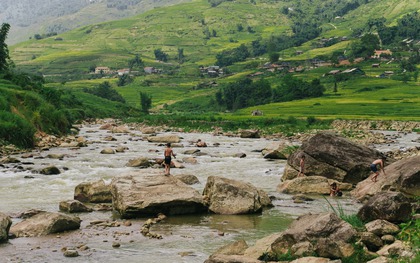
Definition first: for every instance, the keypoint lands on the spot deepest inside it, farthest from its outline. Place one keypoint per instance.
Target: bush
(16, 130)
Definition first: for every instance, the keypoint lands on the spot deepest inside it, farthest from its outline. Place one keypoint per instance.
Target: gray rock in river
(227, 196)
(149, 192)
(45, 223)
(5, 223)
(332, 156)
(402, 175)
(93, 192)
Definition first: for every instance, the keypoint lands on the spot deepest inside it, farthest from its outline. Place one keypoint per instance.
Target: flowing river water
(189, 238)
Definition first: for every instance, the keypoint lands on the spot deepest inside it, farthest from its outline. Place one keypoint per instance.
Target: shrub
(16, 130)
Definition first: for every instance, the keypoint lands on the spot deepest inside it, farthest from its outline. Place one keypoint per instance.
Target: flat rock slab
(149, 192)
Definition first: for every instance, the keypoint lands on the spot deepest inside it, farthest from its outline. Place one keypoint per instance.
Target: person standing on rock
(374, 168)
(301, 165)
(168, 153)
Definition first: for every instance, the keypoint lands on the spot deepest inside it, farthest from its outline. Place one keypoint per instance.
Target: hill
(202, 30)
(38, 17)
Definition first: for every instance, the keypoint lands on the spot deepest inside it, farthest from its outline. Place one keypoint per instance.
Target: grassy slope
(113, 43)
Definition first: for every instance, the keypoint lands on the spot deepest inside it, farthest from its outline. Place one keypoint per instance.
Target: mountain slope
(30, 17)
(180, 26)
(184, 26)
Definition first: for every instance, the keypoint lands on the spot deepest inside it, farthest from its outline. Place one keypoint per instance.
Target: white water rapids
(189, 238)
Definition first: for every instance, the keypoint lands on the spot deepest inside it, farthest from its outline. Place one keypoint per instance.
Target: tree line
(246, 93)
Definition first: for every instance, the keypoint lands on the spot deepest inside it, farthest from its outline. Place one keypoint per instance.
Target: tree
(4, 51)
(181, 55)
(206, 32)
(145, 102)
(124, 80)
(135, 62)
(239, 27)
(160, 55)
(104, 90)
(365, 46)
(274, 57)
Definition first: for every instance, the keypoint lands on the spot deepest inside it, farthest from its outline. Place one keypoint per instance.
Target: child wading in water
(168, 158)
(334, 190)
(374, 167)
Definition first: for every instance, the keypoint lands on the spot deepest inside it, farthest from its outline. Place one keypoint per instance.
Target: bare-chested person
(374, 167)
(301, 165)
(168, 158)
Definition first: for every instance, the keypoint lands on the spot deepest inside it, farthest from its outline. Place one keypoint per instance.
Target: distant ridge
(30, 17)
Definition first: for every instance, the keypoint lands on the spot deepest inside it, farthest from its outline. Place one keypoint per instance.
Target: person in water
(168, 153)
(334, 190)
(374, 168)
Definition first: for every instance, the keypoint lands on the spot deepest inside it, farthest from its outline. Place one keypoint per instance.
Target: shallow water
(185, 238)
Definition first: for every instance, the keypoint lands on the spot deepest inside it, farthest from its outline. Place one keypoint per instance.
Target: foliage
(124, 80)
(293, 88)
(4, 51)
(16, 130)
(407, 27)
(160, 55)
(136, 62)
(145, 102)
(351, 219)
(244, 93)
(228, 57)
(104, 90)
(365, 46)
(410, 232)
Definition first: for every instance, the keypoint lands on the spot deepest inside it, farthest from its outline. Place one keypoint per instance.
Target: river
(186, 239)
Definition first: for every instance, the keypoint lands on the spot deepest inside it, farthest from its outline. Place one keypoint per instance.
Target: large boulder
(382, 227)
(93, 192)
(391, 206)
(149, 192)
(45, 223)
(402, 175)
(141, 162)
(5, 223)
(164, 139)
(325, 234)
(310, 185)
(232, 252)
(227, 196)
(334, 157)
(250, 134)
(49, 170)
(73, 206)
(278, 150)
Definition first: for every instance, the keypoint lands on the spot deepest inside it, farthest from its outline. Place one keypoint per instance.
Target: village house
(124, 71)
(353, 71)
(212, 71)
(333, 72)
(378, 53)
(102, 70)
(152, 70)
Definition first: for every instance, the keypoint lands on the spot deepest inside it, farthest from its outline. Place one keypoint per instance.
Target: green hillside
(202, 31)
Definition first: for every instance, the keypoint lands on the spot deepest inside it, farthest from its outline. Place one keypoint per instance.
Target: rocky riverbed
(105, 237)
